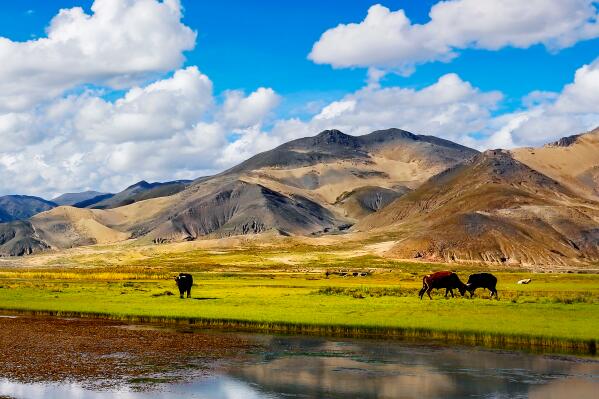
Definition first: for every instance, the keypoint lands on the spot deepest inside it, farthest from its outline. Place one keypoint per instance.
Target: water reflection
(221, 387)
(346, 378)
(321, 368)
(367, 369)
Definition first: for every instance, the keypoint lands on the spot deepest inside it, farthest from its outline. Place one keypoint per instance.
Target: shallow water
(300, 367)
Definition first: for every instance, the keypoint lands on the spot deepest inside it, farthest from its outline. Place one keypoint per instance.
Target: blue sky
(130, 89)
(250, 44)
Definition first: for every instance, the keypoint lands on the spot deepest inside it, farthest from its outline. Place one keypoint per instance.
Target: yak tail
(424, 287)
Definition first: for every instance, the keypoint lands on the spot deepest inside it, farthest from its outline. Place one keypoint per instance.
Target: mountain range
(17, 207)
(440, 200)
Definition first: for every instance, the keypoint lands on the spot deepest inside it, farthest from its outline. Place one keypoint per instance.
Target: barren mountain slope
(492, 208)
(20, 238)
(573, 161)
(74, 198)
(240, 207)
(138, 192)
(66, 227)
(295, 188)
(332, 163)
(308, 186)
(363, 201)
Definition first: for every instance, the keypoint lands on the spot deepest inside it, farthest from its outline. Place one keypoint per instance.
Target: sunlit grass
(285, 288)
(375, 303)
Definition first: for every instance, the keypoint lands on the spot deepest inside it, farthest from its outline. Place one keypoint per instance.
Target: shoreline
(517, 342)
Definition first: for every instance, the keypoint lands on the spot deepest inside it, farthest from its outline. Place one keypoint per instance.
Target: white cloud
(389, 40)
(120, 43)
(242, 112)
(450, 108)
(336, 109)
(183, 131)
(582, 95)
(152, 112)
(170, 129)
(61, 135)
(548, 116)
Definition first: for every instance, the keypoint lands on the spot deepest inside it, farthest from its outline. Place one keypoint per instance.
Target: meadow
(288, 291)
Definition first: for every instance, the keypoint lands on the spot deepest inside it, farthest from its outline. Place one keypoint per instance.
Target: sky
(101, 94)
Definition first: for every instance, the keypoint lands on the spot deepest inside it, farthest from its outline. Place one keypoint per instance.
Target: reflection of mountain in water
(386, 370)
(347, 378)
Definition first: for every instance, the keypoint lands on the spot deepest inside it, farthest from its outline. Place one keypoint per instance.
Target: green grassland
(270, 289)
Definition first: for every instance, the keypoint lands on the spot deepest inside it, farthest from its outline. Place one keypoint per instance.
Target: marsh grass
(287, 290)
(562, 297)
(363, 292)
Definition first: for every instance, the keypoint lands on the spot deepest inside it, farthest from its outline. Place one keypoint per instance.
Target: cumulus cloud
(449, 108)
(243, 112)
(122, 42)
(389, 40)
(173, 128)
(151, 112)
(61, 133)
(548, 116)
(582, 95)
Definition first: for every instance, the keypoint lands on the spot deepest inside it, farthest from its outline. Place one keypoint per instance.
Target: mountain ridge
(442, 200)
(507, 213)
(21, 207)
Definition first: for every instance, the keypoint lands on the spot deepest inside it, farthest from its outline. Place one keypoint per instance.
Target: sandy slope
(526, 206)
(66, 226)
(574, 162)
(492, 209)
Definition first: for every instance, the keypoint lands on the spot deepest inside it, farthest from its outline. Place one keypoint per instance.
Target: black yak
(184, 282)
(482, 280)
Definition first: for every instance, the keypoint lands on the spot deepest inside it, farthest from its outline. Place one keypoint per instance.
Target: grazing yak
(446, 279)
(482, 280)
(184, 282)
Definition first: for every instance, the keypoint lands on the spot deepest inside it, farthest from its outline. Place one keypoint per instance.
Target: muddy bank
(527, 343)
(106, 352)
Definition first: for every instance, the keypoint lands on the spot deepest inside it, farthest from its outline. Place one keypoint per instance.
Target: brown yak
(445, 279)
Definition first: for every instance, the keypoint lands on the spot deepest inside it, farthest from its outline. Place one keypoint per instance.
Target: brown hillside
(573, 161)
(492, 208)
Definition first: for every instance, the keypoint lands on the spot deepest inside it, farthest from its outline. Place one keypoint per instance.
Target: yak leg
(189, 293)
(428, 292)
(422, 291)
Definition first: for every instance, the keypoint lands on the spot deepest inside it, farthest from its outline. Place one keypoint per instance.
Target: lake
(305, 367)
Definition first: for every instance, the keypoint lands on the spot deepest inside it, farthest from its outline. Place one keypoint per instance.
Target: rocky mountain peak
(337, 137)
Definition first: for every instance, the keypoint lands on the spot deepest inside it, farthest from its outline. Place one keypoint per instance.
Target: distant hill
(492, 208)
(294, 188)
(314, 185)
(19, 238)
(88, 203)
(74, 198)
(137, 192)
(573, 161)
(21, 207)
(368, 199)
(438, 200)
